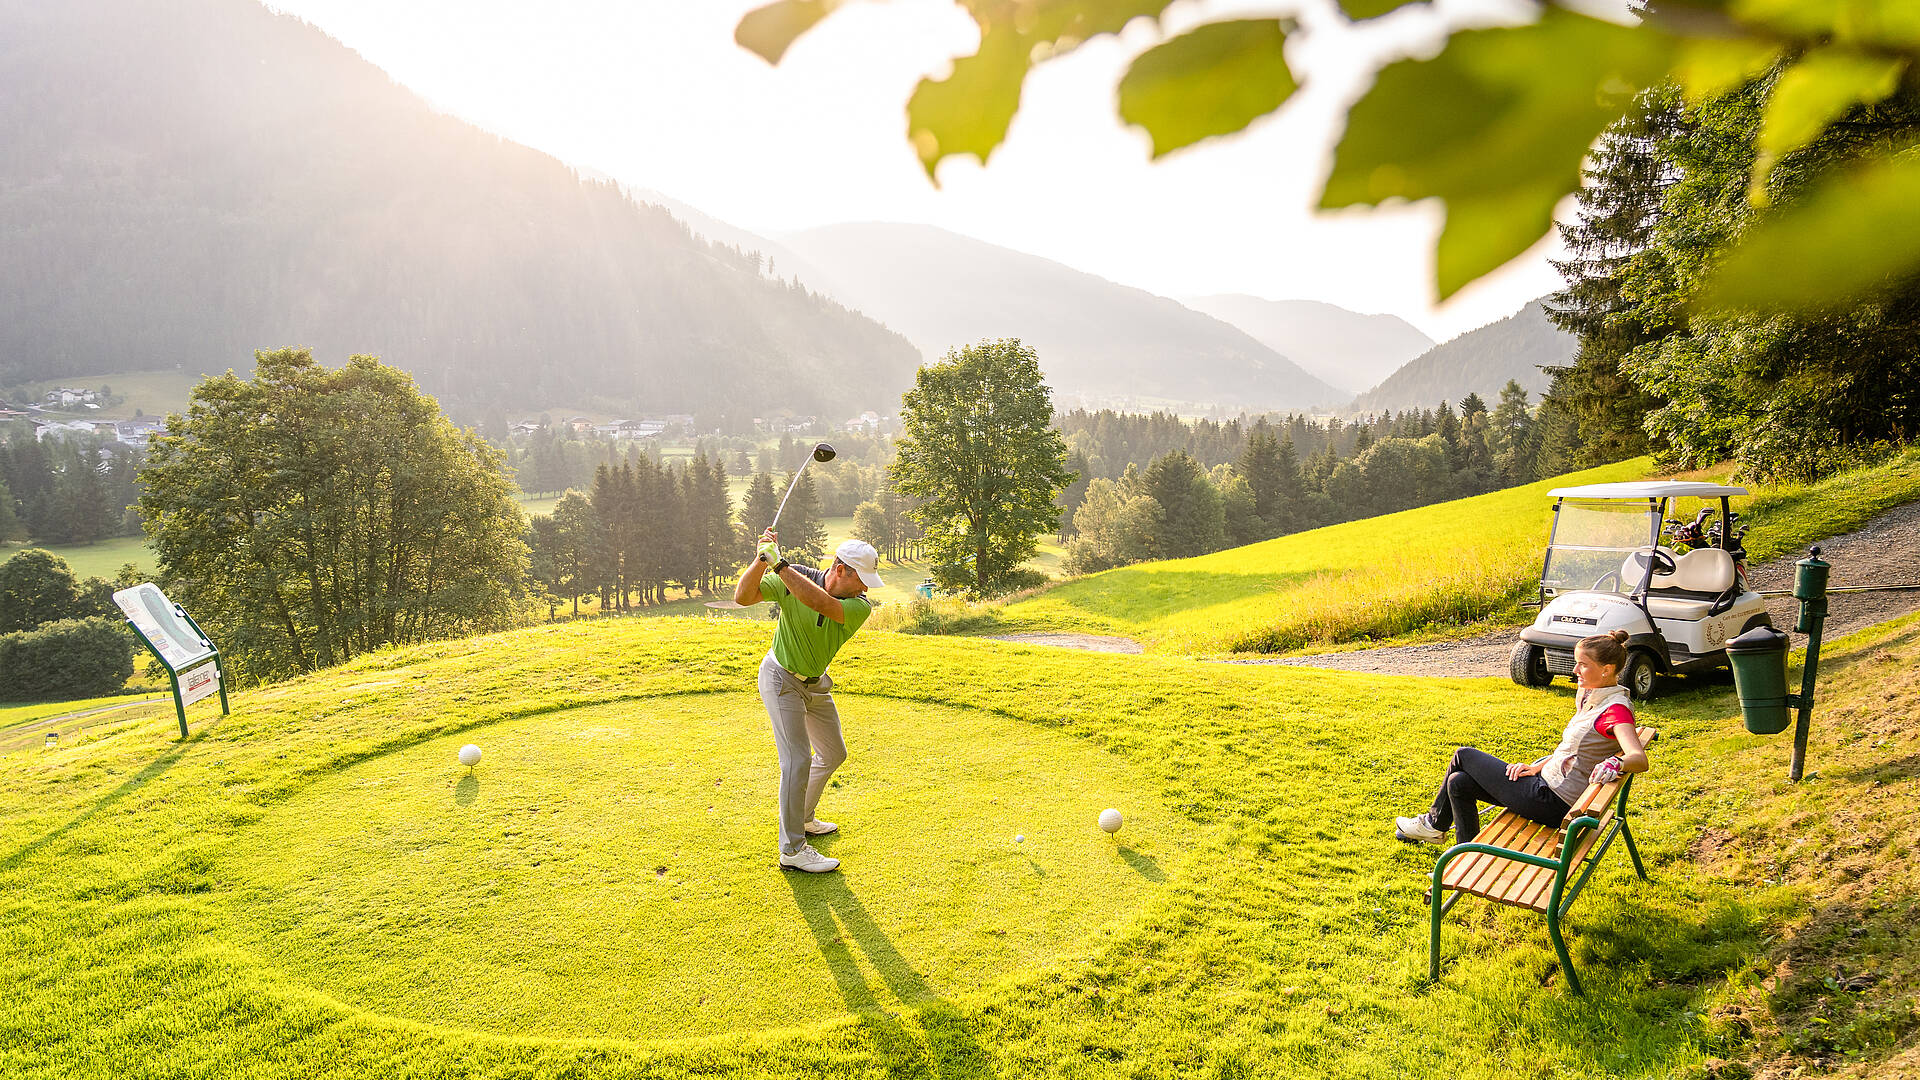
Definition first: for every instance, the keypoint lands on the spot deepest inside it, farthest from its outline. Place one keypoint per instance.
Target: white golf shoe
(808, 860)
(1417, 830)
(816, 827)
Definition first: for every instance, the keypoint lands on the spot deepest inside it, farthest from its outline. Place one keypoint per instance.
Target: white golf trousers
(806, 732)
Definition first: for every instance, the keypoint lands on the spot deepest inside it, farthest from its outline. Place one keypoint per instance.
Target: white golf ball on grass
(1110, 820)
(469, 755)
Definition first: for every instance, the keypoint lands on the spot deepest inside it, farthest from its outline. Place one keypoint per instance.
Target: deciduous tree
(307, 516)
(979, 446)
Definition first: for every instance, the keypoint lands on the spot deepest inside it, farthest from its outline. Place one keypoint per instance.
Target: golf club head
(822, 452)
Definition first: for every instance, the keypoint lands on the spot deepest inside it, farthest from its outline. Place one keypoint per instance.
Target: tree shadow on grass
(1645, 952)
(840, 924)
(129, 786)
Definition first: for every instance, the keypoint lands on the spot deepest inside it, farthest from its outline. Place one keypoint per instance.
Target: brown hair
(1607, 650)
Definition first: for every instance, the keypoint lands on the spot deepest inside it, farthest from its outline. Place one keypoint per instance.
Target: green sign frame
(174, 639)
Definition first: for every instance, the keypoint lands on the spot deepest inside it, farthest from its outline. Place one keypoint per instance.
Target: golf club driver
(821, 452)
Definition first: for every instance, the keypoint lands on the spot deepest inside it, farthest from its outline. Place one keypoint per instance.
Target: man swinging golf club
(818, 613)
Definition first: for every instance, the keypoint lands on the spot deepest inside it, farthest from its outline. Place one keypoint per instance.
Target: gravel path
(1090, 642)
(1884, 551)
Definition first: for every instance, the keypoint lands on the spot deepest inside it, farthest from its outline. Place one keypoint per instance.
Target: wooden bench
(1526, 864)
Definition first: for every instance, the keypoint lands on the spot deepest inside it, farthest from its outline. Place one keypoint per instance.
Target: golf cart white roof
(1648, 489)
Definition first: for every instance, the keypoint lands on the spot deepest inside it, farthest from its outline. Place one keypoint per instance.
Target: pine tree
(1261, 468)
(1193, 521)
(1510, 435)
(803, 535)
(757, 508)
(1620, 208)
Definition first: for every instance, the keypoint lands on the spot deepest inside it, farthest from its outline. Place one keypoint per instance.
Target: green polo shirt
(805, 640)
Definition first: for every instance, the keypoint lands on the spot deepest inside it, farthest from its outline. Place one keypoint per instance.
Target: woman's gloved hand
(1607, 771)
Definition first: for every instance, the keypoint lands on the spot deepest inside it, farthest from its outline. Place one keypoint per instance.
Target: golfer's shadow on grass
(840, 924)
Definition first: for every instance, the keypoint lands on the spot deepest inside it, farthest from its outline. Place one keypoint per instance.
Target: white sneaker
(1417, 830)
(809, 860)
(816, 827)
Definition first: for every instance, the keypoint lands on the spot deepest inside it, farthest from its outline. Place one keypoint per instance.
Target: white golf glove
(1608, 771)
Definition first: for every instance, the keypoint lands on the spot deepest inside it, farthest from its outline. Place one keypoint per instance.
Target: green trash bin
(1759, 659)
(1810, 588)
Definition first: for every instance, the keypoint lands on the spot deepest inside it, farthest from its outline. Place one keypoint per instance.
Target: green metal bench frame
(1560, 897)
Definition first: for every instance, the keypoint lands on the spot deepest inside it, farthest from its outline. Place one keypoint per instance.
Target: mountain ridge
(1100, 343)
(1341, 347)
(1480, 361)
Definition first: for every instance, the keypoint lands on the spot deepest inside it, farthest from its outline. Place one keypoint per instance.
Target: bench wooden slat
(1527, 840)
(1544, 841)
(1464, 873)
(1520, 884)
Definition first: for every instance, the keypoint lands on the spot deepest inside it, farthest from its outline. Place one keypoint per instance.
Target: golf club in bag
(821, 452)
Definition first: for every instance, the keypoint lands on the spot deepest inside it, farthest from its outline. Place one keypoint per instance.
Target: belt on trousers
(802, 678)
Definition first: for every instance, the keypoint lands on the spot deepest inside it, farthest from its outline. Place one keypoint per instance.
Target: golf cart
(1606, 568)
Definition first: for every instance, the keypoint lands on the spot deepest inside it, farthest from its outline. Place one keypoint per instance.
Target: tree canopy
(308, 516)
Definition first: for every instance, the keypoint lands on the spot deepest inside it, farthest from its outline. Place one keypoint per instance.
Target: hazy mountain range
(1479, 361)
(1340, 347)
(1103, 343)
(184, 183)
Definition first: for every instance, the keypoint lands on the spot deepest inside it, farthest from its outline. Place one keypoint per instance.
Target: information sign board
(151, 613)
(173, 637)
(199, 682)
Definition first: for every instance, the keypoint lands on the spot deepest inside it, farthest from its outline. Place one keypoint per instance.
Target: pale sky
(656, 94)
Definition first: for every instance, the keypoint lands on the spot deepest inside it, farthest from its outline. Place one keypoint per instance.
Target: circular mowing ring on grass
(610, 870)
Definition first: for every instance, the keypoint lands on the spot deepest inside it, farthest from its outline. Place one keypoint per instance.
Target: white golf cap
(865, 561)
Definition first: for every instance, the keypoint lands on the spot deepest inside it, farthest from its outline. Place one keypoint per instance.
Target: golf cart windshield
(1592, 539)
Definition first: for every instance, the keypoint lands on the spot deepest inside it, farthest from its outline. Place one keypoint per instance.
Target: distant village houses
(67, 397)
(131, 432)
(867, 423)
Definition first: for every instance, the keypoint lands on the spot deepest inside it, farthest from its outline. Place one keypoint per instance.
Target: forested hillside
(1477, 362)
(184, 183)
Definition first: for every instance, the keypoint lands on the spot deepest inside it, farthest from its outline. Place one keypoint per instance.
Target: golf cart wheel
(1640, 677)
(1529, 665)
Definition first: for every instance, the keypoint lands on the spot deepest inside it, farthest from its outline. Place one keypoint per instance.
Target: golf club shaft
(790, 486)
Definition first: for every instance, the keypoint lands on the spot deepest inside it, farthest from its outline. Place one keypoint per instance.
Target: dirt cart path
(1090, 642)
(1884, 551)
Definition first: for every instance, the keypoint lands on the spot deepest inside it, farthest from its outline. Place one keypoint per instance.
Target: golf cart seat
(1702, 576)
(1634, 566)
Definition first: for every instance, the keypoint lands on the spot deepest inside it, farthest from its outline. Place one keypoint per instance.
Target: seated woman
(1600, 744)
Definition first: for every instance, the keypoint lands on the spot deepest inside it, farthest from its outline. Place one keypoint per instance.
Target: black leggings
(1474, 777)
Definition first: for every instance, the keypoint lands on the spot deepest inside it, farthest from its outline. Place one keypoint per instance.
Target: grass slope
(302, 889)
(1415, 572)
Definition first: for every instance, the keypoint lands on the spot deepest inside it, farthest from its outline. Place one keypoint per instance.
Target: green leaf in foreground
(1501, 118)
(1894, 23)
(1369, 9)
(1842, 243)
(968, 111)
(1811, 94)
(1710, 67)
(768, 31)
(1214, 80)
